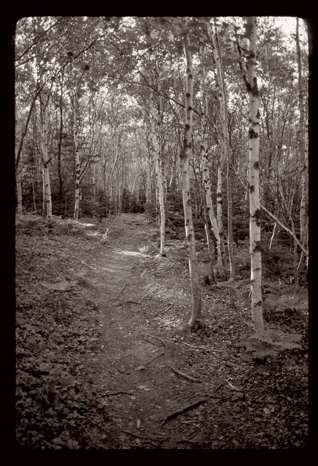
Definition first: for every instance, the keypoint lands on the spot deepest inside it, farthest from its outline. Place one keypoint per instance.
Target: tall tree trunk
(155, 131)
(44, 101)
(226, 156)
(186, 196)
(59, 155)
(254, 201)
(301, 140)
(208, 240)
(19, 193)
(77, 195)
(45, 161)
(219, 205)
(206, 172)
(33, 193)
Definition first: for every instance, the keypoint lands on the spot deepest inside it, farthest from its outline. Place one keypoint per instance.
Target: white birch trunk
(254, 201)
(44, 99)
(186, 196)
(19, 194)
(155, 132)
(219, 206)
(45, 161)
(226, 155)
(301, 141)
(77, 159)
(208, 192)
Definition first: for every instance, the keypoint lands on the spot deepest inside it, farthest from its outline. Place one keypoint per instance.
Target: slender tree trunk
(301, 140)
(206, 172)
(305, 187)
(149, 194)
(255, 224)
(77, 195)
(33, 194)
(219, 206)
(226, 156)
(209, 242)
(45, 161)
(186, 196)
(19, 194)
(59, 156)
(44, 101)
(155, 131)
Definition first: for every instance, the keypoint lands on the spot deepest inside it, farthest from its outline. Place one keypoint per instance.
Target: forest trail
(135, 304)
(103, 360)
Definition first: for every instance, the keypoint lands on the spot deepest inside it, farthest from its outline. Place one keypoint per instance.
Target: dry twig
(158, 338)
(186, 376)
(121, 290)
(155, 357)
(191, 406)
(117, 393)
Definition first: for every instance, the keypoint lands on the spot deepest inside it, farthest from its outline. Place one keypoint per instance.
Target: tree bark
(206, 172)
(226, 156)
(59, 154)
(301, 141)
(44, 101)
(76, 156)
(254, 201)
(186, 195)
(19, 194)
(155, 132)
(45, 161)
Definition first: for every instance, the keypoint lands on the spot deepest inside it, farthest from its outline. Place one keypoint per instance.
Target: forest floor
(103, 361)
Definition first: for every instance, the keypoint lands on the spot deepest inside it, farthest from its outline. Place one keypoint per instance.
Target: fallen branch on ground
(121, 290)
(144, 297)
(158, 338)
(191, 406)
(157, 356)
(169, 307)
(117, 393)
(186, 376)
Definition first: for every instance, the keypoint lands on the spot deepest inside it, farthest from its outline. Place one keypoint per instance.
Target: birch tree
(206, 171)
(253, 160)
(226, 153)
(186, 195)
(44, 96)
(156, 143)
(301, 141)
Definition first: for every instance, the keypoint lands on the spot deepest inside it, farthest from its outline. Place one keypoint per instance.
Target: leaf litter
(86, 374)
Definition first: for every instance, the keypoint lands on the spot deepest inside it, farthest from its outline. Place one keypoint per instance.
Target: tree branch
(274, 218)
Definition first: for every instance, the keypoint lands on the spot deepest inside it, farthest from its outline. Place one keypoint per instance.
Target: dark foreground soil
(103, 360)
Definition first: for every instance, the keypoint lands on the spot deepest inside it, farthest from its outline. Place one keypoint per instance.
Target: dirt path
(102, 360)
(140, 341)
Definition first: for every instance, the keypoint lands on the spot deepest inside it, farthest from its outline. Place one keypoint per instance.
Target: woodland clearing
(103, 360)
